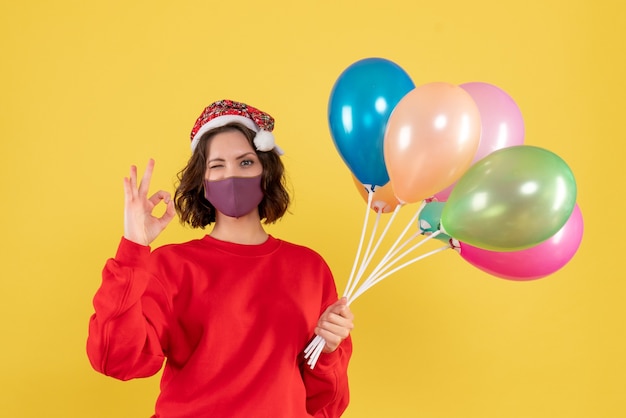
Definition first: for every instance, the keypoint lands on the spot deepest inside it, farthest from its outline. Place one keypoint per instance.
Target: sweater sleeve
(327, 383)
(127, 331)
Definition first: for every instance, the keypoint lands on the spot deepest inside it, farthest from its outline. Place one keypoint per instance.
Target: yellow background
(88, 88)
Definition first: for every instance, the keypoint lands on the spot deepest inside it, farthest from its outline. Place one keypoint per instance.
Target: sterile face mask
(234, 196)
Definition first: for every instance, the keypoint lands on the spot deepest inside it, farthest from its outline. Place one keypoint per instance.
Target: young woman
(232, 312)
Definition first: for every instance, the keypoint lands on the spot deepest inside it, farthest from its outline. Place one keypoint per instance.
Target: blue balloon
(360, 103)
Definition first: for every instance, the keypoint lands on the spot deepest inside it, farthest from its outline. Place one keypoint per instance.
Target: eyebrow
(242, 156)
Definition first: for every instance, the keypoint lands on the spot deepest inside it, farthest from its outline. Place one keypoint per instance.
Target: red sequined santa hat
(224, 112)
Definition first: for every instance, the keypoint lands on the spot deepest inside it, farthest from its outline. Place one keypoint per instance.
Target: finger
(128, 193)
(170, 209)
(170, 213)
(161, 195)
(334, 322)
(133, 178)
(332, 340)
(345, 312)
(144, 186)
(340, 303)
(340, 308)
(339, 331)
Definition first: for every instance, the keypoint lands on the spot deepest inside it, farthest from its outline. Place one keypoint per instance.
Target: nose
(230, 170)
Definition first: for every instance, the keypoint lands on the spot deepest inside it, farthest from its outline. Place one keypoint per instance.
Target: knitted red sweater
(232, 321)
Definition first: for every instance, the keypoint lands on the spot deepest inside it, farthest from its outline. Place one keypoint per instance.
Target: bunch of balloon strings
(357, 284)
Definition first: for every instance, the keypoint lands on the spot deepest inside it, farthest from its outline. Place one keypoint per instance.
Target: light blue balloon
(360, 103)
(430, 220)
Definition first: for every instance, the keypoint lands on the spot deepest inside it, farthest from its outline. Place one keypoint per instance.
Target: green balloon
(512, 199)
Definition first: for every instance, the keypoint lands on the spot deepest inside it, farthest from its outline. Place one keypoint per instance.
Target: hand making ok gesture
(140, 225)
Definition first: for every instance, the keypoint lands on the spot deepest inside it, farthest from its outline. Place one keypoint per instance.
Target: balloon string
(392, 250)
(366, 255)
(385, 261)
(370, 196)
(309, 349)
(381, 237)
(381, 268)
(378, 279)
(409, 224)
(315, 355)
(315, 347)
(313, 350)
(368, 259)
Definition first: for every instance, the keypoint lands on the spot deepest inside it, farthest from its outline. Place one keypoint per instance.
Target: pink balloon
(501, 122)
(532, 263)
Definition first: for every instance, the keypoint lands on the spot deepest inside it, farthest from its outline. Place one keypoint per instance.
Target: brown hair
(196, 211)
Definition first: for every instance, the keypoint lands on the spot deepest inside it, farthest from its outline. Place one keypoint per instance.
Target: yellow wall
(88, 88)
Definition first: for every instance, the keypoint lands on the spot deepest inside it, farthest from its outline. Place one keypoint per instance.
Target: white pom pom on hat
(223, 112)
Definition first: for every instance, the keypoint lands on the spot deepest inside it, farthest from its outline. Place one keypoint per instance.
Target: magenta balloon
(501, 123)
(532, 263)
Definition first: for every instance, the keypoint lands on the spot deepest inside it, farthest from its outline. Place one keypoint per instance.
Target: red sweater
(232, 321)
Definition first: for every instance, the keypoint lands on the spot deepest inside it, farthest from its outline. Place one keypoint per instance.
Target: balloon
(384, 199)
(431, 138)
(532, 263)
(501, 123)
(430, 218)
(512, 199)
(360, 104)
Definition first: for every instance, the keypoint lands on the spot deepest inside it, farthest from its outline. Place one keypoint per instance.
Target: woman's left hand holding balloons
(335, 324)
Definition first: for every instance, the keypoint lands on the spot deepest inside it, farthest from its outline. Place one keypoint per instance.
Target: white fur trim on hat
(222, 121)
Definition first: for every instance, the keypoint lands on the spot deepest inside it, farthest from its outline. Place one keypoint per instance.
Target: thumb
(339, 306)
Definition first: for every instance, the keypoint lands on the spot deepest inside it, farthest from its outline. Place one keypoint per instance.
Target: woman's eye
(213, 166)
(247, 162)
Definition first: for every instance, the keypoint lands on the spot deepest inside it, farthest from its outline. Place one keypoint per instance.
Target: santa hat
(224, 112)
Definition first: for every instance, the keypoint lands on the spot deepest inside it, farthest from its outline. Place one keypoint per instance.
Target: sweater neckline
(250, 250)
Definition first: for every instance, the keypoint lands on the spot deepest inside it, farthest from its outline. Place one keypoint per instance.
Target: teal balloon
(359, 107)
(512, 199)
(430, 218)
